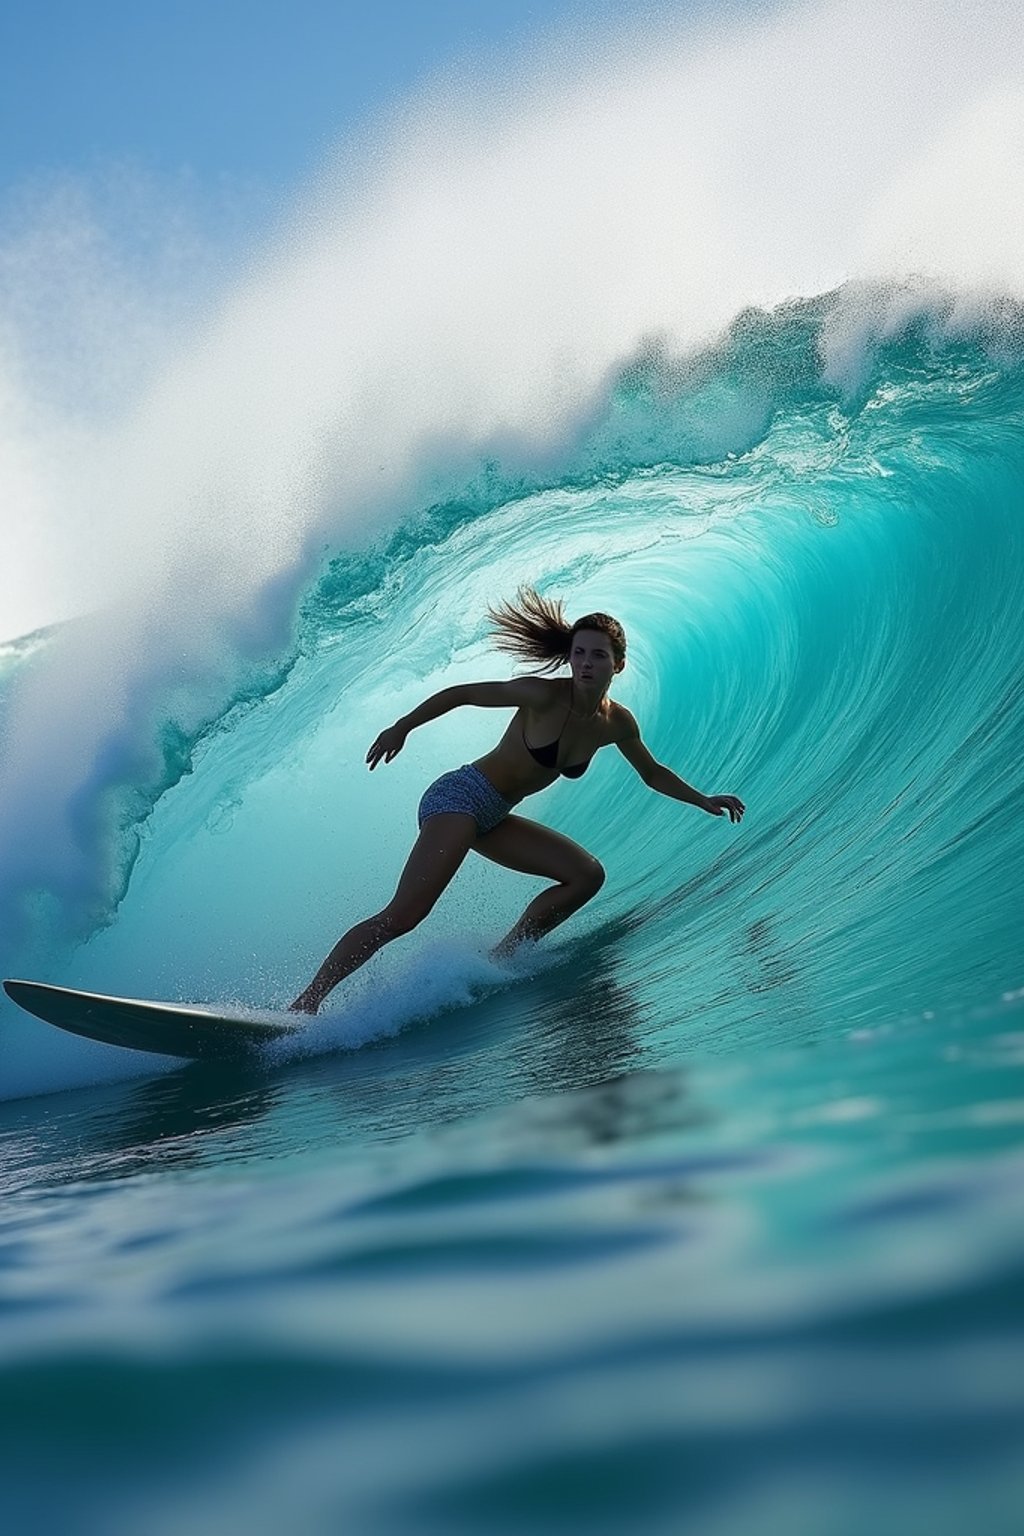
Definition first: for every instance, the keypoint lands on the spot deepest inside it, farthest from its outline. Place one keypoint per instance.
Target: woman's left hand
(722, 804)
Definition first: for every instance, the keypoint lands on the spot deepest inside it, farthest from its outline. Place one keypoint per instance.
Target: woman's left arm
(665, 782)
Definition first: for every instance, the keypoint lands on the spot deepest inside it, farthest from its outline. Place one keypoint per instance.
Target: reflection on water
(120, 1131)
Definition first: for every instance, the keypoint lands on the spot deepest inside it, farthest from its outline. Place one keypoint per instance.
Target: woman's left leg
(442, 845)
(532, 849)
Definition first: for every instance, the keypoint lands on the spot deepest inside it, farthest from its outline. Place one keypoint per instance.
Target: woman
(558, 725)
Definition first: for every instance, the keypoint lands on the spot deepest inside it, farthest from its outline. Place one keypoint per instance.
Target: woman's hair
(535, 628)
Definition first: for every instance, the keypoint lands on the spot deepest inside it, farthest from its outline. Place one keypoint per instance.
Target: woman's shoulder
(533, 692)
(622, 721)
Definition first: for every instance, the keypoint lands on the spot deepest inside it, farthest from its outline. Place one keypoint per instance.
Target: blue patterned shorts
(467, 790)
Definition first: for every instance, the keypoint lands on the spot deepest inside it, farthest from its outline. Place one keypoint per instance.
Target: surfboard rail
(195, 1031)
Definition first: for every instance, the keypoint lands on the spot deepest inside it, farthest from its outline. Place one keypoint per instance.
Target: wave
(546, 334)
(821, 606)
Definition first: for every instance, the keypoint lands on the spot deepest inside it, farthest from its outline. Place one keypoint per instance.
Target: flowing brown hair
(535, 628)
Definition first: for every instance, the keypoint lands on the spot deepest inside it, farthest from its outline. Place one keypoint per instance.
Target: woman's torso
(511, 768)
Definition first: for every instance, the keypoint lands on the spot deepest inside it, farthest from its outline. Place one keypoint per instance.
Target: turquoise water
(708, 1215)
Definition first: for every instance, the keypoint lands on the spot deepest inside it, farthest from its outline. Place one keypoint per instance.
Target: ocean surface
(707, 1214)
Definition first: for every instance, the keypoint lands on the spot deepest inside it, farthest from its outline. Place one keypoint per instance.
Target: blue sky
(148, 148)
(246, 91)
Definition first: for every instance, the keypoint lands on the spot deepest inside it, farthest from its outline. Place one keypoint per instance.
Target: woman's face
(592, 659)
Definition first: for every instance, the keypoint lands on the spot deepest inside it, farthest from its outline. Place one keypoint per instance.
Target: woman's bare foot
(505, 949)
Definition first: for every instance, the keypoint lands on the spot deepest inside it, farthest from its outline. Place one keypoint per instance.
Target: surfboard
(169, 1029)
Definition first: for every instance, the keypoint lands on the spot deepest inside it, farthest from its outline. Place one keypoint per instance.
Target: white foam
(439, 976)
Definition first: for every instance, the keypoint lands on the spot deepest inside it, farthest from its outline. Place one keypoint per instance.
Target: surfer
(558, 725)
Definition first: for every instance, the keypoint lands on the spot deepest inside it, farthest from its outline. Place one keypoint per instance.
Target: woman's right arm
(515, 693)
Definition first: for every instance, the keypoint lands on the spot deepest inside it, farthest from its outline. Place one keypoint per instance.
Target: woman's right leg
(442, 845)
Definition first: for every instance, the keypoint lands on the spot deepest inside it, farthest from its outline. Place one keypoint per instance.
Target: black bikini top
(548, 756)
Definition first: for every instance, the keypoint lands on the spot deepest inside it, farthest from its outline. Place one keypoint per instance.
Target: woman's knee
(592, 877)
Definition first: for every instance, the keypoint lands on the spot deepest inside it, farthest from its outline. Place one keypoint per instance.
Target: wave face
(822, 588)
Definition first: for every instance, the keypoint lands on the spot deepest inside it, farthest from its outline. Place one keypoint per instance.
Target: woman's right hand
(388, 745)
